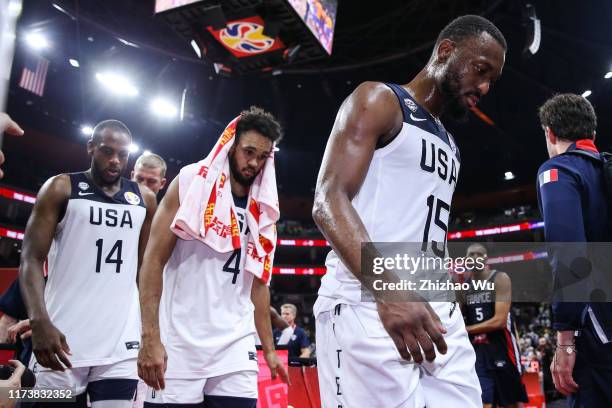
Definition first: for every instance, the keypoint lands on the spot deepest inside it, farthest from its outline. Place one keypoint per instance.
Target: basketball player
(388, 174)
(491, 329)
(92, 229)
(150, 170)
(198, 343)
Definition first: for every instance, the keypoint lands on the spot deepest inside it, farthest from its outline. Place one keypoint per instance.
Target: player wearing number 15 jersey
(388, 175)
(91, 228)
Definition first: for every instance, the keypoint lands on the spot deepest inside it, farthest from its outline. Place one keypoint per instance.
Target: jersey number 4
(113, 256)
(235, 268)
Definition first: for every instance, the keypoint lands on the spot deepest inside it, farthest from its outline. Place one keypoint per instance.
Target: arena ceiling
(386, 40)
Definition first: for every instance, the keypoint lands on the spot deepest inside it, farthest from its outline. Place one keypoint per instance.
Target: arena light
(196, 48)
(534, 30)
(63, 11)
(74, 63)
(134, 148)
(14, 8)
(608, 75)
(37, 41)
(508, 175)
(586, 93)
(87, 130)
(117, 84)
(164, 108)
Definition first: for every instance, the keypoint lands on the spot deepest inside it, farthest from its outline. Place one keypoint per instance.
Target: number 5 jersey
(91, 294)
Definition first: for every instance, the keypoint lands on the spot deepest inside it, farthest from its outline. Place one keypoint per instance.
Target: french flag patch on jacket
(549, 176)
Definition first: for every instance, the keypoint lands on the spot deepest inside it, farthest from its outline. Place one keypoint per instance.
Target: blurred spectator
(299, 344)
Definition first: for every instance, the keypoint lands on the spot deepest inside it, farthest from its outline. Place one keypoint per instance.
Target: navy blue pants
(592, 372)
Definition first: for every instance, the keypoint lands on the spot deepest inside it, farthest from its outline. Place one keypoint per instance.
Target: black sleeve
(11, 302)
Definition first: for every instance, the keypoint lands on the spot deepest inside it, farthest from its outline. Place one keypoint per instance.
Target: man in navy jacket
(572, 198)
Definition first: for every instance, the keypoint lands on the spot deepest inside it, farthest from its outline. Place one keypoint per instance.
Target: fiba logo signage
(245, 38)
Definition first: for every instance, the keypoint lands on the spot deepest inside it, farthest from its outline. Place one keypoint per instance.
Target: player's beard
(99, 174)
(245, 181)
(451, 90)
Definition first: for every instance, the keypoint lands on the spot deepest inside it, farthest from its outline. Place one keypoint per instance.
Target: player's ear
(162, 184)
(445, 49)
(90, 147)
(132, 175)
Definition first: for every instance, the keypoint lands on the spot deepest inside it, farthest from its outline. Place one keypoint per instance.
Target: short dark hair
(111, 124)
(471, 26)
(480, 245)
(570, 116)
(255, 118)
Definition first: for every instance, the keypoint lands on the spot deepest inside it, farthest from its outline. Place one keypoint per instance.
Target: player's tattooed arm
(260, 296)
(152, 357)
(503, 294)
(49, 344)
(151, 205)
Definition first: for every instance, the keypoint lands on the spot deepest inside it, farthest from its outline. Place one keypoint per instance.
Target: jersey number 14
(113, 256)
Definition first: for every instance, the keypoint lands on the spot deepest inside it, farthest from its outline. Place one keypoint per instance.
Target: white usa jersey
(91, 294)
(405, 196)
(206, 313)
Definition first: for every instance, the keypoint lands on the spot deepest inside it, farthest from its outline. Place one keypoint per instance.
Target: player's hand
(14, 380)
(13, 383)
(21, 328)
(276, 367)
(49, 345)
(9, 126)
(152, 363)
(413, 325)
(561, 369)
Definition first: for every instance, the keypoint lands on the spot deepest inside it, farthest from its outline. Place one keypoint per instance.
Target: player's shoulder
(566, 163)
(376, 104)
(58, 185)
(189, 170)
(374, 93)
(501, 276)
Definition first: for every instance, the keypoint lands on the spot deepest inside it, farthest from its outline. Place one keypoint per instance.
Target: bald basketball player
(91, 228)
(388, 174)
